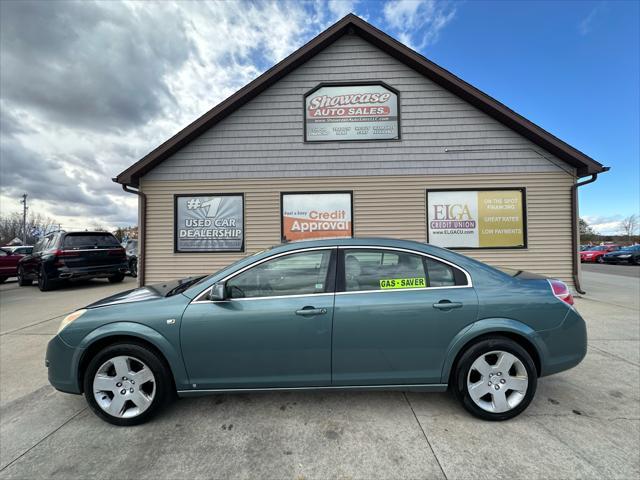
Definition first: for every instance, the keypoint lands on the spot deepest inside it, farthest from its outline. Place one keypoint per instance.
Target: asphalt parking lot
(583, 423)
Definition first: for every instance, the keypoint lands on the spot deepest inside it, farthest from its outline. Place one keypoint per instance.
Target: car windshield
(90, 240)
(188, 283)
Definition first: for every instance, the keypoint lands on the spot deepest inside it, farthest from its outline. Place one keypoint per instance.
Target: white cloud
(115, 80)
(605, 225)
(340, 8)
(418, 23)
(586, 24)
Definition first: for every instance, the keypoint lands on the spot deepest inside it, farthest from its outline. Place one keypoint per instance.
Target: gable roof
(351, 23)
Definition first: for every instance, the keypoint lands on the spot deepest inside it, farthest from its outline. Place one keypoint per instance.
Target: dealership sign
(209, 223)
(476, 218)
(316, 215)
(351, 112)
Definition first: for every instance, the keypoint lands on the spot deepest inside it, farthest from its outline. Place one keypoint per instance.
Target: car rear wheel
(117, 278)
(495, 379)
(126, 384)
(133, 268)
(600, 259)
(22, 281)
(44, 282)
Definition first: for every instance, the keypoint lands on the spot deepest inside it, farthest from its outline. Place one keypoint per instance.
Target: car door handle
(310, 311)
(447, 305)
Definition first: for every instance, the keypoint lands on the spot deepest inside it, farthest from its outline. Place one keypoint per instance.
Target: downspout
(574, 228)
(142, 231)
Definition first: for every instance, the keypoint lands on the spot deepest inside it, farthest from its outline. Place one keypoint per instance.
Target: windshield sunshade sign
(351, 112)
(209, 223)
(476, 218)
(316, 215)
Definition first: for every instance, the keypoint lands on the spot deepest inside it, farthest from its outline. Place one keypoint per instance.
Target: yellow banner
(403, 283)
(500, 218)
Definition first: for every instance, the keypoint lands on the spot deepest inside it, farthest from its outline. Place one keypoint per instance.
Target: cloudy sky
(86, 89)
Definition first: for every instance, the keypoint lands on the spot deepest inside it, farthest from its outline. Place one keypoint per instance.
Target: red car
(8, 264)
(595, 254)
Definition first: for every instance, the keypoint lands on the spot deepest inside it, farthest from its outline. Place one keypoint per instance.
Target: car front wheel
(495, 379)
(22, 281)
(126, 384)
(600, 260)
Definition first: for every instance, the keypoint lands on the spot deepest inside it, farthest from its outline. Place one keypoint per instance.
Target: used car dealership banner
(316, 215)
(209, 223)
(351, 112)
(476, 218)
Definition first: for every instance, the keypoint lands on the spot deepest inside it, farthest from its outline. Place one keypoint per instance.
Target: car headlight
(71, 318)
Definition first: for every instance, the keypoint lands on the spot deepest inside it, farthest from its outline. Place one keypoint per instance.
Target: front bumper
(61, 361)
(566, 345)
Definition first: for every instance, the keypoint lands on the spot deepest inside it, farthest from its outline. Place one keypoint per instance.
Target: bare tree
(629, 225)
(37, 225)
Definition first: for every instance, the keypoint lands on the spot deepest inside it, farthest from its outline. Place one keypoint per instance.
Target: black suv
(61, 256)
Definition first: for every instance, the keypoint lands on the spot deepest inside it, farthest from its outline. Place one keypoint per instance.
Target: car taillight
(561, 291)
(62, 254)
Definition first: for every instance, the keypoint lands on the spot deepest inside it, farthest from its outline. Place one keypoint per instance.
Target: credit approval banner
(316, 215)
(351, 112)
(209, 223)
(476, 218)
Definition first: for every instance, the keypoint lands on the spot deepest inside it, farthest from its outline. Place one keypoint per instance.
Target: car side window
(3, 253)
(368, 270)
(301, 273)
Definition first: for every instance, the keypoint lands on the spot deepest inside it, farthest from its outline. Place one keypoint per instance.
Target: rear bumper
(566, 345)
(102, 271)
(61, 361)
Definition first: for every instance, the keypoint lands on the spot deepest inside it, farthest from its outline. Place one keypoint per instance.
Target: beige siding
(389, 206)
(441, 133)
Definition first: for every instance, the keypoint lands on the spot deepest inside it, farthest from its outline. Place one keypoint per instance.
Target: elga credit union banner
(353, 112)
(476, 219)
(205, 223)
(316, 215)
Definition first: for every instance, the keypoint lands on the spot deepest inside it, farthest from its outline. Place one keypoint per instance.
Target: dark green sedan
(376, 314)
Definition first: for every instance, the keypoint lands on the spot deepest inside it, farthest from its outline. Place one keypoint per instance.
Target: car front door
(395, 314)
(273, 330)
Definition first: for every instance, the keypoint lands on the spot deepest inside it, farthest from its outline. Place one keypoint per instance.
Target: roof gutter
(574, 229)
(142, 230)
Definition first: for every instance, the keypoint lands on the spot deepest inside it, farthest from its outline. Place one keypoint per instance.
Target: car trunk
(86, 249)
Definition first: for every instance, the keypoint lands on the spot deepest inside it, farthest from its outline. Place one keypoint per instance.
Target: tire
(22, 281)
(139, 402)
(600, 259)
(494, 400)
(117, 278)
(45, 284)
(133, 268)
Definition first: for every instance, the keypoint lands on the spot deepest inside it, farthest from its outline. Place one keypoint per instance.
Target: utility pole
(24, 218)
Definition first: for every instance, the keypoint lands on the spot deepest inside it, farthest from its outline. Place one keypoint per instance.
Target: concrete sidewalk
(584, 423)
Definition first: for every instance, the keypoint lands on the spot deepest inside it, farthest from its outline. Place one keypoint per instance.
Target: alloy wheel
(124, 387)
(497, 381)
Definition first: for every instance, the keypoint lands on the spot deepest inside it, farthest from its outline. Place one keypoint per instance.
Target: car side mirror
(219, 292)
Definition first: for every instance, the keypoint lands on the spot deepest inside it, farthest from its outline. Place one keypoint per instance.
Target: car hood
(142, 294)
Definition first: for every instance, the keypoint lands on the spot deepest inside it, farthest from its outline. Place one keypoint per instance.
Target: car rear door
(395, 315)
(273, 331)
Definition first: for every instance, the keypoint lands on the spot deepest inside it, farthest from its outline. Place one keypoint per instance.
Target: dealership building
(355, 134)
